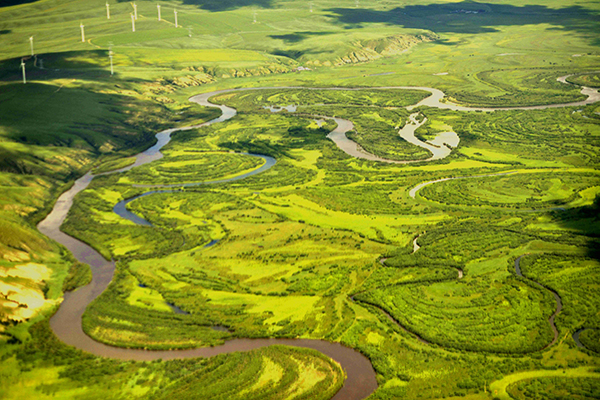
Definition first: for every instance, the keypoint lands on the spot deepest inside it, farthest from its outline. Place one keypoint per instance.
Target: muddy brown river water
(67, 322)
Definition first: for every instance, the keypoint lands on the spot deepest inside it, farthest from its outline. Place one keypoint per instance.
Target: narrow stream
(578, 340)
(121, 207)
(557, 298)
(67, 323)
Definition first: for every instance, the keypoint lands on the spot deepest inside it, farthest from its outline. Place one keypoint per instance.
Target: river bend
(67, 323)
(557, 298)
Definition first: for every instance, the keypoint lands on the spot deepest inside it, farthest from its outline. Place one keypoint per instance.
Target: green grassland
(575, 383)
(299, 246)
(481, 317)
(591, 339)
(271, 232)
(364, 98)
(375, 131)
(591, 80)
(532, 191)
(58, 371)
(555, 388)
(189, 166)
(560, 271)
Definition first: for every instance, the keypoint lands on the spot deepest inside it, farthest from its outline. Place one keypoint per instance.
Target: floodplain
(470, 276)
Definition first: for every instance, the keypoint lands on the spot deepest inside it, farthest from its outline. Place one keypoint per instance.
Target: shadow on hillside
(293, 54)
(298, 36)
(224, 5)
(472, 17)
(85, 65)
(37, 116)
(8, 3)
(583, 221)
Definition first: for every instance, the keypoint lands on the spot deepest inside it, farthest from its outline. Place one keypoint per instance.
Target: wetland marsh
(342, 201)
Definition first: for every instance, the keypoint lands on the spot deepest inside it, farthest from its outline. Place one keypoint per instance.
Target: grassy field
(320, 245)
(591, 80)
(574, 383)
(560, 271)
(536, 190)
(58, 371)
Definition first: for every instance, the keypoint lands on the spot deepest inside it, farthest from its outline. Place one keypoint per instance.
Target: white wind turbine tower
(110, 56)
(175, 11)
(31, 44)
(23, 68)
(82, 32)
(132, 22)
(254, 17)
(158, 7)
(107, 10)
(135, 11)
(311, 7)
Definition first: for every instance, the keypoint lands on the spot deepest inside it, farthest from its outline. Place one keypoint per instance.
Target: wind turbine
(175, 11)
(31, 43)
(110, 56)
(132, 22)
(107, 10)
(158, 7)
(23, 68)
(135, 10)
(311, 7)
(82, 32)
(190, 31)
(254, 17)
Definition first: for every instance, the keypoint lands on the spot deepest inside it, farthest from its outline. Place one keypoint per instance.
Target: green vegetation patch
(376, 114)
(481, 316)
(315, 97)
(555, 388)
(558, 137)
(191, 167)
(506, 87)
(60, 371)
(590, 338)
(576, 279)
(535, 190)
(79, 275)
(271, 373)
(590, 80)
(114, 164)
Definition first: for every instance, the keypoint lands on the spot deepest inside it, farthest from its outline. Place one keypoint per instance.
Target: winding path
(67, 323)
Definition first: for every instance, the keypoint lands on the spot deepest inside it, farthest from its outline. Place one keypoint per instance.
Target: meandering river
(67, 324)
(557, 298)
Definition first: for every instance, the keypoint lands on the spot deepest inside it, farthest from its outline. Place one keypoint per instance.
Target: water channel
(67, 322)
